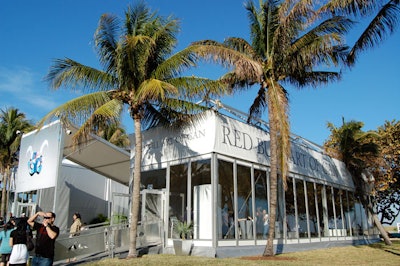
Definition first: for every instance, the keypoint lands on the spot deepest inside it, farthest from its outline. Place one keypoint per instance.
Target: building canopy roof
(99, 156)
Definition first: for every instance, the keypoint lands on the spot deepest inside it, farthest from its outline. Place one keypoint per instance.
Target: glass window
(201, 172)
(361, 218)
(331, 215)
(347, 212)
(312, 210)
(155, 179)
(340, 223)
(290, 210)
(225, 179)
(178, 194)
(244, 192)
(301, 208)
(280, 209)
(201, 200)
(322, 210)
(351, 214)
(261, 199)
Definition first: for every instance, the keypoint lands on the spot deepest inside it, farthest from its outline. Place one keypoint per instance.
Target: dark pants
(41, 261)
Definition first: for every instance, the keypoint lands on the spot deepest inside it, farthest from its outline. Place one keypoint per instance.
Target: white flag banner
(39, 158)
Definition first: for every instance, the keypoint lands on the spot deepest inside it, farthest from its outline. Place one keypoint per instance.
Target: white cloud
(22, 87)
(15, 81)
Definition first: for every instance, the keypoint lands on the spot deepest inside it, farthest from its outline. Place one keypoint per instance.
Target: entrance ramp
(104, 241)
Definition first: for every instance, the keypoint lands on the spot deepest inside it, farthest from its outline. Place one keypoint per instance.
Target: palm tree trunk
(3, 196)
(366, 201)
(381, 229)
(269, 248)
(378, 224)
(136, 188)
(4, 192)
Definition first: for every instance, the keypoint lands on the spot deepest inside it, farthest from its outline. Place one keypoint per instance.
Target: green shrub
(119, 218)
(184, 229)
(99, 219)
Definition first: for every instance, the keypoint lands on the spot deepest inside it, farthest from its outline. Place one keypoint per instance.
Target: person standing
(74, 231)
(5, 248)
(266, 224)
(19, 254)
(46, 234)
(76, 225)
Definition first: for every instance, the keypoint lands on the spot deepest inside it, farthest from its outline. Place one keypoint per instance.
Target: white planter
(182, 247)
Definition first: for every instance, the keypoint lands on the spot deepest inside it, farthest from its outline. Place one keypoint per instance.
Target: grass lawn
(375, 254)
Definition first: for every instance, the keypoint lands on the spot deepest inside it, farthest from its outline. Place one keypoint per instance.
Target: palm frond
(354, 147)
(197, 88)
(242, 46)
(257, 26)
(132, 55)
(78, 109)
(107, 113)
(349, 7)
(227, 57)
(293, 19)
(259, 104)
(106, 41)
(113, 133)
(332, 29)
(173, 112)
(382, 25)
(313, 78)
(73, 75)
(137, 18)
(164, 39)
(176, 64)
(153, 90)
(235, 82)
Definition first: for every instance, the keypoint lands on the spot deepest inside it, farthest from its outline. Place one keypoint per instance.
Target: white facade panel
(227, 136)
(39, 158)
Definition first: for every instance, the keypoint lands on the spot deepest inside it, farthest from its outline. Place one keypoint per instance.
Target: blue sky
(33, 33)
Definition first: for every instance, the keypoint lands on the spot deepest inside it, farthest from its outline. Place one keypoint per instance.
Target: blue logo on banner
(35, 164)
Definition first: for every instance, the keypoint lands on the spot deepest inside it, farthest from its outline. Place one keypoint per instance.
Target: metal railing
(106, 240)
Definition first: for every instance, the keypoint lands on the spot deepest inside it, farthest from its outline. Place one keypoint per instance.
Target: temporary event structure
(215, 175)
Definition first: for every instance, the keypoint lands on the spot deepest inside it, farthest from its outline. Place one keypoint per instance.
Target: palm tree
(290, 44)
(12, 123)
(114, 134)
(140, 71)
(356, 149)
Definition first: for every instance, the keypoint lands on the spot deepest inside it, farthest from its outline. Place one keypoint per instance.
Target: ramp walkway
(101, 240)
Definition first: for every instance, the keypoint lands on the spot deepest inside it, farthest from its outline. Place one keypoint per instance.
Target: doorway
(153, 204)
(25, 209)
